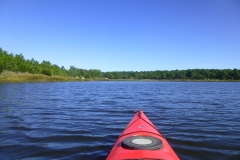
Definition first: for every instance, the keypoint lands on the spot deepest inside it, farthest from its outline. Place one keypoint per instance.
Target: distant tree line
(17, 63)
(191, 74)
(83, 73)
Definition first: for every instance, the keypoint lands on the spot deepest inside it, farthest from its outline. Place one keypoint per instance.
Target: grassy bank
(12, 77)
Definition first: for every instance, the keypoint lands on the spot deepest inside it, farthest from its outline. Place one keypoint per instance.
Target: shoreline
(13, 77)
(168, 80)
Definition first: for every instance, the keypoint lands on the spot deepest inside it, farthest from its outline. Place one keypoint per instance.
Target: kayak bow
(141, 140)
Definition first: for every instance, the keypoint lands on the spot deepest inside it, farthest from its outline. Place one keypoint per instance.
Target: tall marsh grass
(11, 77)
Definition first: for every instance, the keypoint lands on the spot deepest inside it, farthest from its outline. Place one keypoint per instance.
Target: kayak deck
(141, 140)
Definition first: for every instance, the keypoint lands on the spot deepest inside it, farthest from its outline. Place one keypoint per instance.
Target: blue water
(82, 120)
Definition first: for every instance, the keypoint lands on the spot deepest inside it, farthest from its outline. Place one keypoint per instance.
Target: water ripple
(82, 120)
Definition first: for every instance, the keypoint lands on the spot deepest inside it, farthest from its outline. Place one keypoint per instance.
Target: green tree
(46, 68)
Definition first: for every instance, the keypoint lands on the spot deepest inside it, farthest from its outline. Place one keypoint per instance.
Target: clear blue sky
(124, 35)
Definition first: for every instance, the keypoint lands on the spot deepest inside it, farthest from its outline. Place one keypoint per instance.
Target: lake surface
(82, 120)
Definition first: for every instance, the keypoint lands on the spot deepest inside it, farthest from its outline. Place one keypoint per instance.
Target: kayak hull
(143, 141)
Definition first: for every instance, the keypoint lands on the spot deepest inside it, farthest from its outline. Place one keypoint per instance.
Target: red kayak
(141, 140)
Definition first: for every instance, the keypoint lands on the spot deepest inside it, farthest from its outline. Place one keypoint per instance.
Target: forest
(17, 63)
